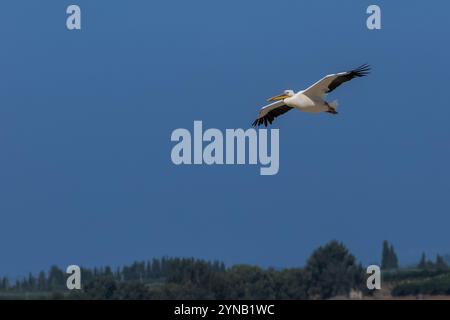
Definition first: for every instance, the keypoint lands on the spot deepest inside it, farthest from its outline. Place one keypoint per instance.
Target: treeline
(439, 264)
(427, 278)
(330, 271)
(170, 269)
(436, 285)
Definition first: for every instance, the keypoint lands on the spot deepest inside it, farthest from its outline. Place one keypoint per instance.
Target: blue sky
(86, 117)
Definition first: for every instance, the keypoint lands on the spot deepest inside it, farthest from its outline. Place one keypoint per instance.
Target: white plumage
(310, 100)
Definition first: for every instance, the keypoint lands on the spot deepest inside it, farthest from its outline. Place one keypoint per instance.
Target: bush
(439, 285)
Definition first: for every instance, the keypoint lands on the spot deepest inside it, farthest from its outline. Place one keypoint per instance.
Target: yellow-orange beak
(278, 97)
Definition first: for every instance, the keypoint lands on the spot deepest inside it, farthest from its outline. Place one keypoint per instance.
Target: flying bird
(310, 100)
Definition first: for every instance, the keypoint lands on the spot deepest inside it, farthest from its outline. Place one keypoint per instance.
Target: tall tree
(389, 258)
(107, 271)
(440, 263)
(423, 262)
(5, 283)
(31, 282)
(332, 270)
(393, 258)
(56, 278)
(385, 256)
(42, 281)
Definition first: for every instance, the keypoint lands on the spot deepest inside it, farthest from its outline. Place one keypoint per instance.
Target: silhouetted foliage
(423, 262)
(389, 258)
(439, 285)
(330, 271)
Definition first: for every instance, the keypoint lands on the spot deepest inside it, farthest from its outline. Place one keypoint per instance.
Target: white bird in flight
(309, 100)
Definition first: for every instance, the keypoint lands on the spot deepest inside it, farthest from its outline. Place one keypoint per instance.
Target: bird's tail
(334, 104)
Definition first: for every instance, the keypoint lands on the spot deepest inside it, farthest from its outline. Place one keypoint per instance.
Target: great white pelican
(310, 100)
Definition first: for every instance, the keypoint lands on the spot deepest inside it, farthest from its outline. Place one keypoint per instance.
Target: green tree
(393, 258)
(156, 268)
(56, 278)
(332, 270)
(423, 262)
(42, 281)
(101, 288)
(5, 283)
(385, 256)
(31, 282)
(389, 258)
(440, 264)
(108, 271)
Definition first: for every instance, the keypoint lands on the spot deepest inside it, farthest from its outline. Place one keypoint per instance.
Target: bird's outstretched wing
(332, 81)
(270, 112)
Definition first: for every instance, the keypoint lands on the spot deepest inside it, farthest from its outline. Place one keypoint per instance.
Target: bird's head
(284, 95)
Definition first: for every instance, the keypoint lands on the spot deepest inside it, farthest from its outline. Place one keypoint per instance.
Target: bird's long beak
(278, 97)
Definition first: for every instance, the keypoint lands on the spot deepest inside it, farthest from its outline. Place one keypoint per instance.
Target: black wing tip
(256, 123)
(260, 121)
(362, 71)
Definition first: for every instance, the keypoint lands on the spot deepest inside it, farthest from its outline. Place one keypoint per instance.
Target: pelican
(310, 100)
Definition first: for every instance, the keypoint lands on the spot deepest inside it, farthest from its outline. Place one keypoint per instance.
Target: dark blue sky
(86, 117)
